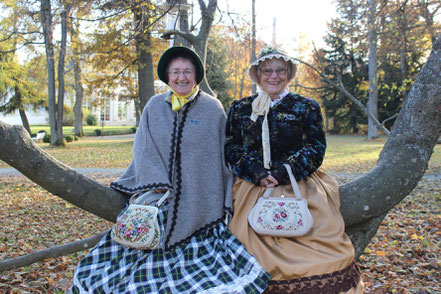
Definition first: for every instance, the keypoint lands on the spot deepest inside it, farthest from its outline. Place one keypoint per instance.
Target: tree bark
(78, 86)
(183, 24)
(253, 40)
(373, 84)
(404, 158)
(51, 252)
(18, 150)
(46, 22)
(24, 119)
(403, 28)
(429, 17)
(146, 85)
(61, 63)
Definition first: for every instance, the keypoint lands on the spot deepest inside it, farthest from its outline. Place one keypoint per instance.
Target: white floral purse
(137, 227)
(281, 216)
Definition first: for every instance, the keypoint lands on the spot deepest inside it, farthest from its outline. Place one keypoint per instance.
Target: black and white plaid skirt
(211, 262)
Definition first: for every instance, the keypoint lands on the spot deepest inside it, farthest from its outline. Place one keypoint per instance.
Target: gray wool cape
(182, 151)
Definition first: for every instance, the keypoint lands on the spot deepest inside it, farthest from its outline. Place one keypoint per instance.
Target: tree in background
(21, 84)
(342, 63)
(217, 68)
(402, 45)
(121, 52)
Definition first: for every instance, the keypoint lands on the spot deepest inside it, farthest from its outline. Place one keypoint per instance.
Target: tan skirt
(324, 257)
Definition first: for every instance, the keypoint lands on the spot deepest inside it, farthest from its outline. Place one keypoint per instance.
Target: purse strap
(137, 200)
(295, 186)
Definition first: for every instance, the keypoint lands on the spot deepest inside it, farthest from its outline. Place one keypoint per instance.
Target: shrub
(68, 139)
(91, 120)
(98, 132)
(68, 116)
(133, 129)
(75, 138)
(47, 138)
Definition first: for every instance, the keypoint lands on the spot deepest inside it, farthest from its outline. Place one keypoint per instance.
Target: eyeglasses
(269, 71)
(176, 73)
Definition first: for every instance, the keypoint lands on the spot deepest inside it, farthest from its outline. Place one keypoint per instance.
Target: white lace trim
(272, 56)
(276, 101)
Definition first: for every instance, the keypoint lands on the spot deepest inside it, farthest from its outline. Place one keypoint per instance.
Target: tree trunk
(46, 21)
(78, 106)
(403, 51)
(373, 84)
(146, 85)
(428, 18)
(253, 40)
(404, 158)
(183, 25)
(61, 61)
(24, 119)
(21, 111)
(78, 86)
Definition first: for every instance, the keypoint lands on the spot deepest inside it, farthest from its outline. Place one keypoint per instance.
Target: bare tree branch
(389, 118)
(190, 37)
(345, 92)
(22, 45)
(53, 252)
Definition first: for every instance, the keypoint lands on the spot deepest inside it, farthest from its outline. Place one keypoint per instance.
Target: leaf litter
(403, 257)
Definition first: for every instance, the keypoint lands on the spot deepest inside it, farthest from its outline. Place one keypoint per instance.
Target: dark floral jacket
(296, 136)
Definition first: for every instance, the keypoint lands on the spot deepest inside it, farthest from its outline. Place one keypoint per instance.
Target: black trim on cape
(139, 188)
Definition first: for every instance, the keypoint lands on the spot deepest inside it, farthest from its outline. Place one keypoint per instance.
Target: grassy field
(404, 256)
(345, 153)
(88, 130)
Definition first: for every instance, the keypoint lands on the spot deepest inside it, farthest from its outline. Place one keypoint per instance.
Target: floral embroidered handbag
(137, 227)
(281, 216)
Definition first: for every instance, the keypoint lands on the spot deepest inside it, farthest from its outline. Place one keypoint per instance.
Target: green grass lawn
(345, 153)
(88, 130)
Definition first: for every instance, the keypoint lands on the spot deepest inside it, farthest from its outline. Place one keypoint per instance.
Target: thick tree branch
(406, 154)
(188, 36)
(18, 150)
(53, 252)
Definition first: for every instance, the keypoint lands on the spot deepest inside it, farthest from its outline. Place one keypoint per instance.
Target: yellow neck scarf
(179, 101)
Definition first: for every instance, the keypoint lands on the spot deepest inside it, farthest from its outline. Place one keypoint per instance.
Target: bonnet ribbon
(260, 106)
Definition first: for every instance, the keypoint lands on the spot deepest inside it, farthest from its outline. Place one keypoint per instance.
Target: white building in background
(112, 112)
(38, 117)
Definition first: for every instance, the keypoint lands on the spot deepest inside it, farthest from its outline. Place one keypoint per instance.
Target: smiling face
(273, 76)
(181, 76)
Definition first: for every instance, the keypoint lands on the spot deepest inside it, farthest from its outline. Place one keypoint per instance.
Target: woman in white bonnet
(264, 132)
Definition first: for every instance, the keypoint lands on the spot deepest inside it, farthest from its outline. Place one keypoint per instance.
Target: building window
(105, 111)
(122, 110)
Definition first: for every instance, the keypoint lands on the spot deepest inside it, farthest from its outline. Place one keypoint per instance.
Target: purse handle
(137, 200)
(295, 187)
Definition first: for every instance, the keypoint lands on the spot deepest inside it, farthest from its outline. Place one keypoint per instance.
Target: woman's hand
(269, 181)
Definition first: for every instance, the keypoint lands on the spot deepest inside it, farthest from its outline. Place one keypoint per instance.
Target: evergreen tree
(217, 69)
